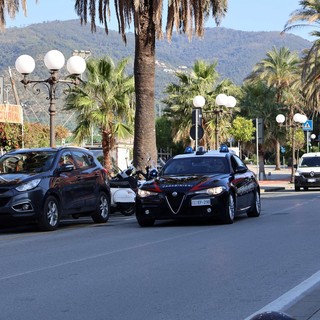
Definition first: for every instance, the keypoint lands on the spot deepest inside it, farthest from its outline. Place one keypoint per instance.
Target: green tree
(104, 100)
(242, 130)
(281, 71)
(164, 136)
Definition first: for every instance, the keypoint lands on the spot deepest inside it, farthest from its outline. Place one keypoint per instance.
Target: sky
(245, 15)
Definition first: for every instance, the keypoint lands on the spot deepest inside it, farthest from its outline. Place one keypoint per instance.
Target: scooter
(123, 189)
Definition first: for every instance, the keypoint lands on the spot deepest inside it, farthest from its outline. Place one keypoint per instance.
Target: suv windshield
(196, 165)
(26, 162)
(310, 162)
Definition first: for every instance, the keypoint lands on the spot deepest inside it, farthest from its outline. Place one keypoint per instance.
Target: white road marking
(291, 296)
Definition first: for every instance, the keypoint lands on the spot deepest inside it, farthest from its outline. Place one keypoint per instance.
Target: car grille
(313, 175)
(175, 200)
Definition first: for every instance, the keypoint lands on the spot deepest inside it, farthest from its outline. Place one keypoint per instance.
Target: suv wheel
(102, 210)
(50, 217)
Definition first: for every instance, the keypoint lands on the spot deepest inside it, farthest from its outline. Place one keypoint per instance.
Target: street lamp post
(54, 61)
(298, 118)
(222, 100)
(198, 103)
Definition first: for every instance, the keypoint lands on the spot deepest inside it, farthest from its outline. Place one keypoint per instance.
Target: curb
(271, 189)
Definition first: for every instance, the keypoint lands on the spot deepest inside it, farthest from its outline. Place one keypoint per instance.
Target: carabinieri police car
(212, 184)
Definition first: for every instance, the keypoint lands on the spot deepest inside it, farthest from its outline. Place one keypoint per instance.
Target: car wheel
(256, 208)
(305, 188)
(50, 217)
(145, 222)
(296, 188)
(102, 210)
(230, 210)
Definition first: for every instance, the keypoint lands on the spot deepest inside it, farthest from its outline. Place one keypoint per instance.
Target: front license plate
(311, 180)
(200, 202)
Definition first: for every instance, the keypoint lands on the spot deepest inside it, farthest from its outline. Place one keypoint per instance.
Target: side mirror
(241, 169)
(66, 168)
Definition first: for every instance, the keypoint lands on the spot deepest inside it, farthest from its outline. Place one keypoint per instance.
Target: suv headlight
(212, 191)
(29, 185)
(146, 193)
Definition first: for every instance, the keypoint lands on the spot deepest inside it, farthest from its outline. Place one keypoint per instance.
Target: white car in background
(308, 172)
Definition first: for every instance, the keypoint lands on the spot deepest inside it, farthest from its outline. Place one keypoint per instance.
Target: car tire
(145, 222)
(296, 188)
(50, 217)
(256, 208)
(230, 210)
(305, 188)
(102, 210)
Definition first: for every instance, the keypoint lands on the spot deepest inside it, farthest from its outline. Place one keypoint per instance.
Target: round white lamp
(25, 64)
(54, 60)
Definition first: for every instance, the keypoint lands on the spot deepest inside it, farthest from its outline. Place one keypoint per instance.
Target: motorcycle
(123, 189)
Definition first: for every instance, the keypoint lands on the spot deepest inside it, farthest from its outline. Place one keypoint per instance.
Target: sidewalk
(275, 180)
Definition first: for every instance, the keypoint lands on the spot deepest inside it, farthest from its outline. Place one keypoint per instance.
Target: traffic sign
(193, 132)
(308, 125)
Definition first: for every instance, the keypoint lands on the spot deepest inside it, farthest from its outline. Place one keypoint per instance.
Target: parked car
(46, 184)
(308, 171)
(204, 184)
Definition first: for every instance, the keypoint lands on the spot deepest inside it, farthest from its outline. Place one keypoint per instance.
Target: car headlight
(212, 191)
(29, 185)
(297, 174)
(146, 193)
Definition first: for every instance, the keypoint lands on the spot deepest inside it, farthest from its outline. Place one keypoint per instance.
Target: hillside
(236, 52)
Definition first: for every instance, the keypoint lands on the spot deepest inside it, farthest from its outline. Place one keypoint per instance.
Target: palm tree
(202, 80)
(146, 16)
(279, 70)
(104, 100)
(308, 16)
(11, 7)
(187, 16)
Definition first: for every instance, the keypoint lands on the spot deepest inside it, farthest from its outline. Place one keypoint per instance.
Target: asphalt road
(171, 271)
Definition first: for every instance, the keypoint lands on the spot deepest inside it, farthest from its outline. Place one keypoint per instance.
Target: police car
(212, 184)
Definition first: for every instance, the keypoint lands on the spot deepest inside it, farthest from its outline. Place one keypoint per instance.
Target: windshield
(199, 165)
(310, 162)
(27, 162)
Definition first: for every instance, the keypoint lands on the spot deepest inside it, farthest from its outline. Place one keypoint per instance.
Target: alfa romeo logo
(174, 194)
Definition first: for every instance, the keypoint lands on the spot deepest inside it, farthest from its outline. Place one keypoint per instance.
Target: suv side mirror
(66, 168)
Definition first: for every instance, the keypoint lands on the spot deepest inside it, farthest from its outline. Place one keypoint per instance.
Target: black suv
(45, 184)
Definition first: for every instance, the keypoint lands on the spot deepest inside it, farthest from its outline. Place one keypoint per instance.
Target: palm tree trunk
(278, 160)
(106, 148)
(144, 72)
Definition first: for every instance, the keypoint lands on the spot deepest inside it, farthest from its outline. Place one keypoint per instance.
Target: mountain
(236, 52)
